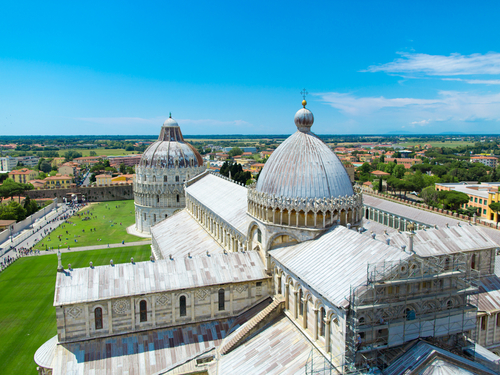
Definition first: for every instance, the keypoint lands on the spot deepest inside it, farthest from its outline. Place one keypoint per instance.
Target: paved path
(96, 247)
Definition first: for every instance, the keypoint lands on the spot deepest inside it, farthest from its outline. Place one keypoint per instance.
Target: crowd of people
(20, 251)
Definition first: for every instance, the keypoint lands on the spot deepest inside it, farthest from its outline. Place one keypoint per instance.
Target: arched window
(178, 198)
(322, 318)
(221, 300)
(473, 262)
(143, 308)
(145, 216)
(483, 323)
(259, 235)
(165, 179)
(157, 199)
(154, 178)
(449, 304)
(176, 178)
(154, 218)
(301, 305)
(182, 305)
(145, 178)
(98, 318)
(361, 321)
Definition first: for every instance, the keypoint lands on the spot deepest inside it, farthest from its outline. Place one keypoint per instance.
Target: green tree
(429, 195)
(399, 171)
(235, 151)
(93, 153)
(123, 168)
(380, 186)
(453, 199)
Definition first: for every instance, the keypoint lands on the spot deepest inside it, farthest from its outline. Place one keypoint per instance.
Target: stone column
(327, 335)
(87, 321)
(192, 306)
(153, 310)
(296, 305)
(304, 312)
(315, 327)
(110, 318)
(287, 296)
(174, 301)
(132, 308)
(212, 309)
(231, 299)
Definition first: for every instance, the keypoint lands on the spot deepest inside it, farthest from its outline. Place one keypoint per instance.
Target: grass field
(27, 317)
(106, 219)
(100, 151)
(438, 144)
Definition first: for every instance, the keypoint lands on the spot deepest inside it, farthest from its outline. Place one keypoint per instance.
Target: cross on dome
(304, 93)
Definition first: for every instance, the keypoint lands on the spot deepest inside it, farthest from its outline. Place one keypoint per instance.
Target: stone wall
(92, 194)
(122, 315)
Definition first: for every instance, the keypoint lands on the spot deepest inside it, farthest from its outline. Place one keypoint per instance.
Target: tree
(70, 155)
(123, 168)
(382, 158)
(380, 187)
(93, 153)
(12, 211)
(453, 199)
(429, 195)
(399, 171)
(235, 151)
(30, 206)
(495, 207)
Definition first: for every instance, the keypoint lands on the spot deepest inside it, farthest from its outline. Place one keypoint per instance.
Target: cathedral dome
(303, 166)
(170, 150)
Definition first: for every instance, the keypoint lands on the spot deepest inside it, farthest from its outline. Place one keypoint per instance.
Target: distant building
(406, 162)
(89, 160)
(28, 161)
(489, 161)
(58, 182)
(103, 180)
(7, 163)
(23, 175)
(56, 162)
(69, 168)
(128, 160)
(253, 150)
(480, 196)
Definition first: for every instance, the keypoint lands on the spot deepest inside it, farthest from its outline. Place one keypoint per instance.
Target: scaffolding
(409, 299)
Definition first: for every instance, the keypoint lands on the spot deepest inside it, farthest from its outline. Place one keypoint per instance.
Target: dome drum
(313, 213)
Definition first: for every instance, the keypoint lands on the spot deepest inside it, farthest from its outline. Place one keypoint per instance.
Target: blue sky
(238, 67)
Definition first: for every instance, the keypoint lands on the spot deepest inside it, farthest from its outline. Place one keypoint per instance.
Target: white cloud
(446, 106)
(475, 81)
(421, 123)
(420, 64)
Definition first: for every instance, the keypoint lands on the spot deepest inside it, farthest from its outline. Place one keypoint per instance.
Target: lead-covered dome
(303, 166)
(170, 150)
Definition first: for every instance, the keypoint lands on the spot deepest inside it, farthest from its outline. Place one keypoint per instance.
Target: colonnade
(228, 237)
(389, 219)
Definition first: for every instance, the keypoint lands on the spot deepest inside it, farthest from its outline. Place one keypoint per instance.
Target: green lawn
(100, 151)
(105, 218)
(438, 144)
(27, 317)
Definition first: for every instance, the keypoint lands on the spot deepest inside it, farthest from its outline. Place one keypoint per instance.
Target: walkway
(96, 247)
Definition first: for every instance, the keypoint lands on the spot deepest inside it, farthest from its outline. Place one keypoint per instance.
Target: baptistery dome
(303, 166)
(170, 150)
(160, 175)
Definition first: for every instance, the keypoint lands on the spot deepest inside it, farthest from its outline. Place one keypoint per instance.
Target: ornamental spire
(304, 93)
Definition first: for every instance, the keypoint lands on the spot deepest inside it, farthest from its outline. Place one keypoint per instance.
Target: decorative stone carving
(201, 294)
(241, 288)
(163, 299)
(121, 306)
(74, 311)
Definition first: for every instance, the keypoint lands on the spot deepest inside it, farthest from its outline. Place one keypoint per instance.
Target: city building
(58, 182)
(28, 161)
(69, 168)
(159, 180)
(23, 175)
(480, 196)
(56, 162)
(7, 163)
(489, 161)
(128, 160)
(123, 179)
(282, 277)
(89, 160)
(406, 162)
(103, 180)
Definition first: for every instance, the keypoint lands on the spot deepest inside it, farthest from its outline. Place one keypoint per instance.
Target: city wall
(91, 194)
